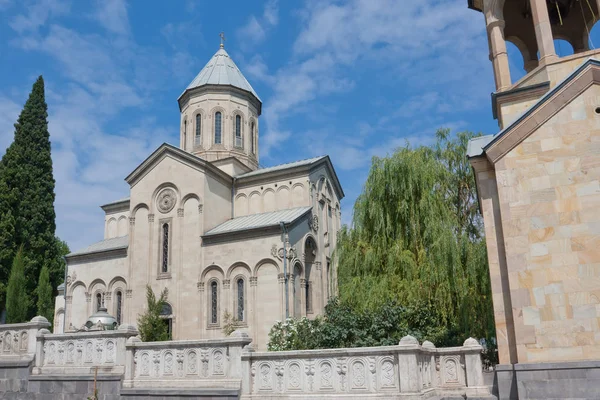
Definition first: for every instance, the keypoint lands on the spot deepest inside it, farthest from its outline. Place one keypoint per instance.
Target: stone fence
(185, 363)
(406, 370)
(19, 340)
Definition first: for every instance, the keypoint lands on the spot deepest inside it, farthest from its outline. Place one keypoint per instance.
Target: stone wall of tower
(206, 104)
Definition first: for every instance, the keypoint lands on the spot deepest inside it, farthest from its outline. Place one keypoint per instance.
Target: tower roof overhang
(476, 5)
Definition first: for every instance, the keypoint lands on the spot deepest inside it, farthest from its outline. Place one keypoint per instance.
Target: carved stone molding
(107, 295)
(71, 278)
(180, 212)
(150, 218)
(200, 208)
(303, 283)
(253, 281)
(200, 286)
(128, 293)
(131, 221)
(276, 252)
(226, 283)
(88, 297)
(281, 278)
(313, 223)
(69, 299)
(318, 265)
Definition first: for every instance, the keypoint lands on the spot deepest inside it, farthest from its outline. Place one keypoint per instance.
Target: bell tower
(532, 26)
(219, 116)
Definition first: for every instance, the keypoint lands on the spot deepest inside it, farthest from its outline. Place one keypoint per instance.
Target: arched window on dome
(253, 137)
(198, 136)
(238, 131)
(218, 127)
(184, 133)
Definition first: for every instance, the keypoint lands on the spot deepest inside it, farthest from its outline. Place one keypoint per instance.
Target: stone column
(303, 297)
(281, 280)
(408, 367)
(320, 291)
(543, 31)
(498, 56)
(473, 368)
(253, 308)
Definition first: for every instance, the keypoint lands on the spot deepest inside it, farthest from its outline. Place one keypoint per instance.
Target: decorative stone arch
(212, 267)
(115, 225)
(138, 207)
(265, 261)
(116, 283)
(97, 287)
(216, 321)
(76, 284)
(187, 197)
(213, 111)
(264, 203)
(305, 238)
(237, 264)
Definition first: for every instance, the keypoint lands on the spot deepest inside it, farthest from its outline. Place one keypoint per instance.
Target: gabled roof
(221, 70)
(116, 205)
(302, 165)
(117, 243)
(165, 150)
(498, 145)
(259, 221)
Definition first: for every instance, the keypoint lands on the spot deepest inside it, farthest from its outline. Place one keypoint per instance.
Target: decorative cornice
(180, 212)
(200, 286)
(226, 283)
(151, 218)
(128, 293)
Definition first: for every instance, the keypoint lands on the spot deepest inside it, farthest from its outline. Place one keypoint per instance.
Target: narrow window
(184, 133)
(166, 314)
(198, 137)
(165, 248)
(240, 299)
(217, 128)
(308, 297)
(98, 301)
(252, 138)
(238, 131)
(119, 307)
(213, 303)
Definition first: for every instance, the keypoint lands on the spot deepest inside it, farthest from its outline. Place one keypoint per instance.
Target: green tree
(27, 216)
(45, 300)
(17, 300)
(151, 326)
(416, 239)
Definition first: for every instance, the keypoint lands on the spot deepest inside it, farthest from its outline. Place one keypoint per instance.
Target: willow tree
(416, 238)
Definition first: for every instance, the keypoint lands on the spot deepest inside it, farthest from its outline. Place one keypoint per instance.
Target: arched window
(118, 311)
(99, 301)
(167, 316)
(214, 305)
(184, 133)
(165, 248)
(240, 299)
(253, 138)
(218, 127)
(198, 137)
(238, 131)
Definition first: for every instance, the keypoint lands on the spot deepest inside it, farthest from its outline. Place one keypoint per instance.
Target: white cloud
(256, 29)
(112, 15)
(9, 112)
(38, 13)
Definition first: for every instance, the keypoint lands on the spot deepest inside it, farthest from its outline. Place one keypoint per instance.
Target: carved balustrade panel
(180, 363)
(80, 352)
(289, 375)
(14, 342)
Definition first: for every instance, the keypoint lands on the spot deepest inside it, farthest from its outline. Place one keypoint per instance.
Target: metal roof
(104, 245)
(476, 145)
(281, 167)
(257, 221)
(221, 70)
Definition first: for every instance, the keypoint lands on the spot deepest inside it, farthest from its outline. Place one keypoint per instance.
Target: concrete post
(543, 31)
(474, 368)
(408, 366)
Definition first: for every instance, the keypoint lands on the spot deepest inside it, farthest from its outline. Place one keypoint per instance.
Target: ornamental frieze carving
(313, 223)
(276, 252)
(166, 200)
(71, 278)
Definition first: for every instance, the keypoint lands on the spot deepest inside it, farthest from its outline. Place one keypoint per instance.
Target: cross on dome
(222, 36)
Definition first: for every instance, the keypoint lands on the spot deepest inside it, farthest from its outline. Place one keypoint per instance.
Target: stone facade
(539, 191)
(203, 222)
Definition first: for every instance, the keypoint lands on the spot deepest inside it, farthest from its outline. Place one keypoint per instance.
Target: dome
(101, 316)
(221, 70)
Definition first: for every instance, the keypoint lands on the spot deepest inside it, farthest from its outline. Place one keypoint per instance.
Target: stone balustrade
(19, 340)
(82, 352)
(185, 363)
(392, 371)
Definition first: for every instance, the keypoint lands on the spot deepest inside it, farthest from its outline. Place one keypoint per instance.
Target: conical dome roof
(221, 70)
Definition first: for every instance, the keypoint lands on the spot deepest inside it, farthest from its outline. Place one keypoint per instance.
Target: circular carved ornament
(166, 200)
(313, 223)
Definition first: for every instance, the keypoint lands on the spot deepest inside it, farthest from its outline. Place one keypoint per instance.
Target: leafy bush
(151, 326)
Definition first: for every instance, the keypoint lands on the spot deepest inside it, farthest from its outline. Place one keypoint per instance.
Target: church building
(224, 236)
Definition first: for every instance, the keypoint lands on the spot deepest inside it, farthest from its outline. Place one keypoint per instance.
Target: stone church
(203, 220)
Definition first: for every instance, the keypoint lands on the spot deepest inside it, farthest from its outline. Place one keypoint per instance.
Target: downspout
(65, 295)
(233, 198)
(285, 275)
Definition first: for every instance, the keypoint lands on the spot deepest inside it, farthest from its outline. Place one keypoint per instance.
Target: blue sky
(351, 79)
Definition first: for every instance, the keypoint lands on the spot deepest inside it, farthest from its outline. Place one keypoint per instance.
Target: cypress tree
(45, 302)
(27, 216)
(17, 301)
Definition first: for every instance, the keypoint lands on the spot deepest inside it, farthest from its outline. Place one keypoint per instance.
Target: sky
(352, 79)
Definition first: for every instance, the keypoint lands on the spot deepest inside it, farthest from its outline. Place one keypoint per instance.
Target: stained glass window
(240, 299)
(213, 303)
(165, 248)
(198, 138)
(217, 128)
(119, 307)
(238, 131)
(252, 138)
